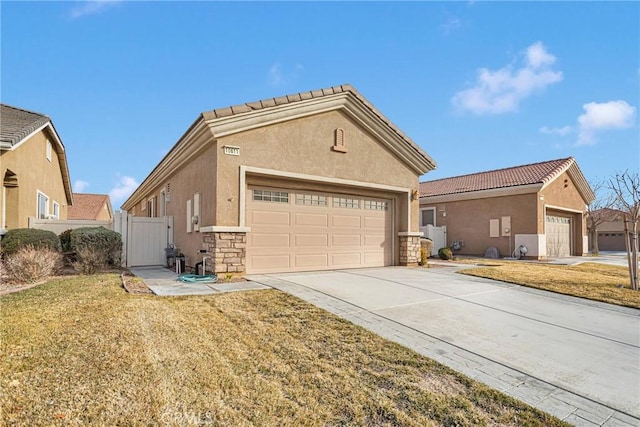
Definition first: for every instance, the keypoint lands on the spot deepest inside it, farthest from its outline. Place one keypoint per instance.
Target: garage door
(611, 242)
(293, 230)
(558, 232)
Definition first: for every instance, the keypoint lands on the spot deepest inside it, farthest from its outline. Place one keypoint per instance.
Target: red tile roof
(535, 173)
(87, 206)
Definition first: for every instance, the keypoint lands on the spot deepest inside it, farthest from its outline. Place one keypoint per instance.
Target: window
(375, 205)
(345, 202)
(56, 210)
(48, 150)
(311, 200)
(189, 223)
(151, 207)
(271, 196)
(427, 217)
(43, 206)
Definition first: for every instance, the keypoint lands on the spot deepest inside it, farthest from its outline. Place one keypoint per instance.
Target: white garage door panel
(300, 231)
(268, 263)
(269, 218)
(261, 240)
(313, 220)
(346, 221)
(312, 240)
(558, 234)
(313, 261)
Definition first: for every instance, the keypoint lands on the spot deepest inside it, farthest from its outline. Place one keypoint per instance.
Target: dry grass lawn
(81, 351)
(600, 282)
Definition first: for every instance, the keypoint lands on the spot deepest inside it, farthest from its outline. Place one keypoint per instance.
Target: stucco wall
(468, 221)
(305, 146)
(561, 198)
(34, 173)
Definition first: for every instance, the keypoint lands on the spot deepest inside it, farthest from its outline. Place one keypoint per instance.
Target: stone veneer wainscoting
(228, 250)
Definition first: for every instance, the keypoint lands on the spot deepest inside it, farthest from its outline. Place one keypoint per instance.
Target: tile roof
(535, 173)
(16, 124)
(87, 206)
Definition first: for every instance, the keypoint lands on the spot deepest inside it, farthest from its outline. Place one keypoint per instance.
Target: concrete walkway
(164, 282)
(576, 359)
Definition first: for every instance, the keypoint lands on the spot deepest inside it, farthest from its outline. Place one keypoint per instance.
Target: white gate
(143, 239)
(438, 236)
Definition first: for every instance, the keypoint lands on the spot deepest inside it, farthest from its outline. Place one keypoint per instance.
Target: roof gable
(230, 120)
(534, 176)
(88, 206)
(17, 125)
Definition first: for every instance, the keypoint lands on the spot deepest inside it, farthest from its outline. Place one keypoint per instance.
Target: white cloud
(123, 189)
(450, 25)
(79, 186)
(85, 8)
(276, 77)
(603, 116)
(501, 91)
(565, 130)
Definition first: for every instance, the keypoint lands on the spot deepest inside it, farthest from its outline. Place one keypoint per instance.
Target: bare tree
(626, 192)
(598, 212)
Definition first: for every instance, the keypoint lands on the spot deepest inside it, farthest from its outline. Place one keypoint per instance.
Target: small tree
(626, 192)
(597, 213)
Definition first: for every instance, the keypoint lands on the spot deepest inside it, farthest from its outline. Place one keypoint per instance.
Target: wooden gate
(143, 239)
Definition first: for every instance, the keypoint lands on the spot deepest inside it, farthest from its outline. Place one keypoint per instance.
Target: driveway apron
(574, 358)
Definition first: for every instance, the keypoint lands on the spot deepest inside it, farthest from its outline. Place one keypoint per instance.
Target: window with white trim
(49, 150)
(427, 217)
(375, 205)
(189, 223)
(271, 196)
(346, 202)
(311, 200)
(56, 210)
(43, 206)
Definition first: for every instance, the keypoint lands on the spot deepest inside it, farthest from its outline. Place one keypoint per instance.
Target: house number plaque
(231, 150)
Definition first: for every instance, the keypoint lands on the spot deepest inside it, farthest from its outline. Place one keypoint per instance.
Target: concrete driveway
(580, 359)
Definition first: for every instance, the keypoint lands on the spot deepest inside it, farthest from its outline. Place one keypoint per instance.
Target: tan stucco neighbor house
(91, 207)
(541, 206)
(34, 169)
(310, 181)
(611, 230)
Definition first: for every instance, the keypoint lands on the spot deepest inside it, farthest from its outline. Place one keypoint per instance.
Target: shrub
(65, 240)
(427, 244)
(30, 264)
(22, 237)
(423, 256)
(445, 253)
(96, 248)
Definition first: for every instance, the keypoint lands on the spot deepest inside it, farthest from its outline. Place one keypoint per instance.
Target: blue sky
(478, 85)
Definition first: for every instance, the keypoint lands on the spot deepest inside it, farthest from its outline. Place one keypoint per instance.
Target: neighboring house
(611, 230)
(541, 206)
(34, 169)
(90, 206)
(310, 181)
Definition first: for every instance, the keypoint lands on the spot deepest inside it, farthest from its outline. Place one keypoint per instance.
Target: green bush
(23, 237)
(65, 240)
(445, 253)
(96, 248)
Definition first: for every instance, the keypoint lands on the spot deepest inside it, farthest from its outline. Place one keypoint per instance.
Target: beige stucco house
(541, 206)
(34, 169)
(611, 230)
(310, 181)
(90, 207)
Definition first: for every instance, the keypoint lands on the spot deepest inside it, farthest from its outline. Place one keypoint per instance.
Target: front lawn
(600, 282)
(81, 351)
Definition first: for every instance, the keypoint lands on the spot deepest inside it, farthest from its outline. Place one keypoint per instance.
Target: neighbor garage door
(558, 232)
(609, 241)
(294, 230)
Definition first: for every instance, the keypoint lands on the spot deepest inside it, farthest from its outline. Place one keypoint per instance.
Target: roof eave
(482, 194)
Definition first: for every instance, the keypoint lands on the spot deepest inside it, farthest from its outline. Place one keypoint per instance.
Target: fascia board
(482, 194)
(189, 146)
